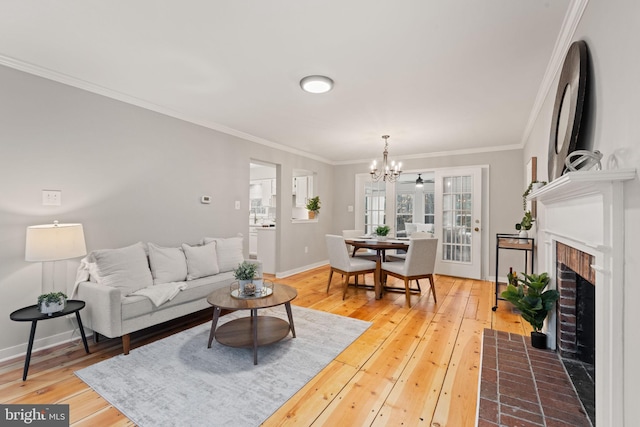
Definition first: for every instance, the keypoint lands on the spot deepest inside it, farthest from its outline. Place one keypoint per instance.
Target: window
(456, 218)
(374, 205)
(404, 210)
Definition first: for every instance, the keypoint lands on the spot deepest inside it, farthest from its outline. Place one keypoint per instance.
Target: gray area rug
(178, 381)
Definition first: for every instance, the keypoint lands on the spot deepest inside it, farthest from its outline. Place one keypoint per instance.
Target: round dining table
(380, 247)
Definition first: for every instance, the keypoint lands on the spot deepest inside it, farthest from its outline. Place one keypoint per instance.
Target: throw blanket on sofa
(158, 294)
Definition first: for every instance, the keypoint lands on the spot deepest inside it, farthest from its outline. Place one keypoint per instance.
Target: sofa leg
(96, 337)
(126, 343)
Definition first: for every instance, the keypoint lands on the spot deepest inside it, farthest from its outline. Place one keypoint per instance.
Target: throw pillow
(202, 261)
(167, 264)
(124, 268)
(229, 252)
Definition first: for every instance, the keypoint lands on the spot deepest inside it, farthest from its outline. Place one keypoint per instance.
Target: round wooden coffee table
(252, 331)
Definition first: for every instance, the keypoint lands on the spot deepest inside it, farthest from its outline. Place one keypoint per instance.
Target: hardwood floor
(413, 366)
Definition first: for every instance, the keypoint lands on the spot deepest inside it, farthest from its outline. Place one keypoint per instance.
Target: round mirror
(563, 120)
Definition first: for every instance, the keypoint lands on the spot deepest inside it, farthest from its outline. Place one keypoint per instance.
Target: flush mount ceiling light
(316, 84)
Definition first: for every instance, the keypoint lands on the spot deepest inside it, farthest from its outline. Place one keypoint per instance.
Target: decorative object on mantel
(525, 225)
(583, 160)
(52, 302)
(387, 173)
(533, 186)
(382, 231)
(567, 108)
(313, 206)
(533, 302)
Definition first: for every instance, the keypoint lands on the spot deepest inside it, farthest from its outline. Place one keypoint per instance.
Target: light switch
(237, 204)
(350, 208)
(51, 197)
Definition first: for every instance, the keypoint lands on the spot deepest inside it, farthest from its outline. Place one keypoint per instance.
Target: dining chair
(364, 253)
(403, 256)
(419, 264)
(342, 263)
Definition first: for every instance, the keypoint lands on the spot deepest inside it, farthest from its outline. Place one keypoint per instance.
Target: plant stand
(513, 242)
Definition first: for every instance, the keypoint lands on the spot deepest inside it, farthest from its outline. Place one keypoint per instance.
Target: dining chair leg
(407, 291)
(346, 285)
(433, 288)
(329, 282)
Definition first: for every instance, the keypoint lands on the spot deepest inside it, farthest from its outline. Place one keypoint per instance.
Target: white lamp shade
(53, 242)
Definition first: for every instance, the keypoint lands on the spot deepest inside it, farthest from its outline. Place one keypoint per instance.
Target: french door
(458, 203)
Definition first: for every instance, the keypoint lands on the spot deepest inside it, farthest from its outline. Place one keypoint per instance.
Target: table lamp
(53, 242)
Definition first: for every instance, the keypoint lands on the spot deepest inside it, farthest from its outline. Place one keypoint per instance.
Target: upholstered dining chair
(419, 264)
(342, 263)
(403, 256)
(364, 253)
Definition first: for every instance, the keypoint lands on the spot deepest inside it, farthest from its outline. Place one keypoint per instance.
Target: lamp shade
(53, 242)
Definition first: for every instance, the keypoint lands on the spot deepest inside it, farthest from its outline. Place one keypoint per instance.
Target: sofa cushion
(202, 260)
(229, 252)
(124, 268)
(167, 264)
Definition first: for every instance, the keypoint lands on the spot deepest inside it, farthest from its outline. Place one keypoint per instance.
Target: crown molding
(564, 40)
(128, 99)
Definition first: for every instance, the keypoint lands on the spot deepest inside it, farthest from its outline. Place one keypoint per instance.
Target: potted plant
(533, 302)
(245, 274)
(533, 186)
(382, 231)
(52, 302)
(313, 206)
(525, 224)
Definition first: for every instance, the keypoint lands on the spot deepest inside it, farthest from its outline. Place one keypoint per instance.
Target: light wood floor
(413, 366)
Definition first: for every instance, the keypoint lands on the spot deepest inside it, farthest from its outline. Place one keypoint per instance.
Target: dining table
(380, 246)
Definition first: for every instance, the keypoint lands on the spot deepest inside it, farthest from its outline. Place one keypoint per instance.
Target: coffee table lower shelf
(239, 332)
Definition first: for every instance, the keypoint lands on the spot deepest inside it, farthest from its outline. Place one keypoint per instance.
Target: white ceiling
(436, 75)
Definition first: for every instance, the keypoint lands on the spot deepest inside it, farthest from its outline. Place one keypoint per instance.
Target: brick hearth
(525, 387)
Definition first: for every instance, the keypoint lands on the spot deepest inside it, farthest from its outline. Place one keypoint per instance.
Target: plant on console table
(313, 206)
(52, 302)
(382, 231)
(525, 224)
(533, 302)
(245, 275)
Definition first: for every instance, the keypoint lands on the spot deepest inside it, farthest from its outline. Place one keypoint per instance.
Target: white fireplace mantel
(585, 210)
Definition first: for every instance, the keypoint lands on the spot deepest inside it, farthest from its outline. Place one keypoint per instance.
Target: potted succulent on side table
(244, 274)
(533, 302)
(525, 224)
(381, 232)
(313, 206)
(52, 302)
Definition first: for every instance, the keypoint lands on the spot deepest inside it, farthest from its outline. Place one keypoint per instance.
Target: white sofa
(132, 288)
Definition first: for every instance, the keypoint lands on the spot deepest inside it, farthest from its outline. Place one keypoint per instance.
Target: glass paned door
(459, 217)
(374, 206)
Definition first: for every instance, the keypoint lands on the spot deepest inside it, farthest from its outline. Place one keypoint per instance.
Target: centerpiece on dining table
(381, 232)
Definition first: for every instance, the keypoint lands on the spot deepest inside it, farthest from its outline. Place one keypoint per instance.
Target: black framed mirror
(568, 108)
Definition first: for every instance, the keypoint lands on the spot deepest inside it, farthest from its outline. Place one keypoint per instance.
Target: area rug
(178, 381)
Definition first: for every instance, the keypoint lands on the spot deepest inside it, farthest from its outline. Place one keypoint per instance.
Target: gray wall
(611, 30)
(128, 175)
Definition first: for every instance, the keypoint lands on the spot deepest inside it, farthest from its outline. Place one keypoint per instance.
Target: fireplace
(584, 211)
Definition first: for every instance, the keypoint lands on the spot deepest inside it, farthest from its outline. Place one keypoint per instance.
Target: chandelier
(386, 173)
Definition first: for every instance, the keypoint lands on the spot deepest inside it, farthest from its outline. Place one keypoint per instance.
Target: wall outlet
(350, 208)
(51, 197)
(237, 204)
(306, 249)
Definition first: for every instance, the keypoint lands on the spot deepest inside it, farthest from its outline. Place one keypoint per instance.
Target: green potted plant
(245, 275)
(52, 302)
(525, 224)
(533, 186)
(382, 231)
(533, 302)
(313, 206)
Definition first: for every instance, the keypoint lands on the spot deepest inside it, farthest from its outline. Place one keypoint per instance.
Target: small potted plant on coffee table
(382, 231)
(533, 302)
(52, 302)
(245, 275)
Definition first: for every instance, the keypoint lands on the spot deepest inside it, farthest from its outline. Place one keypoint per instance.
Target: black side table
(32, 314)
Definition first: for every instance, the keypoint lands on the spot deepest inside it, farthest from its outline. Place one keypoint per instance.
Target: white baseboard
(43, 343)
(283, 274)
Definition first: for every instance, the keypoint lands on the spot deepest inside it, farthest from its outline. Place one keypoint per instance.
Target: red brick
(523, 380)
(567, 415)
(485, 423)
(522, 404)
(488, 410)
(509, 421)
(489, 375)
(522, 414)
(488, 390)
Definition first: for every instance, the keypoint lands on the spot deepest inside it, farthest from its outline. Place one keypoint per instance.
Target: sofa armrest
(104, 307)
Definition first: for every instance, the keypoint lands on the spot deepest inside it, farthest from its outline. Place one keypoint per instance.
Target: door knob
(476, 229)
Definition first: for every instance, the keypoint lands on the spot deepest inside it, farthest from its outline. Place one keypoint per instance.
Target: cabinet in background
(267, 248)
(302, 190)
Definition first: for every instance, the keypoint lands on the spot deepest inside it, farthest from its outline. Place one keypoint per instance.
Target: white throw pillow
(425, 228)
(167, 264)
(124, 268)
(201, 260)
(229, 252)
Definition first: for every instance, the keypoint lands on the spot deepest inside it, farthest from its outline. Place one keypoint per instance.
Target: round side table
(32, 314)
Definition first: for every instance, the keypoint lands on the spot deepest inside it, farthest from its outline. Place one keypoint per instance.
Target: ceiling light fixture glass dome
(316, 84)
